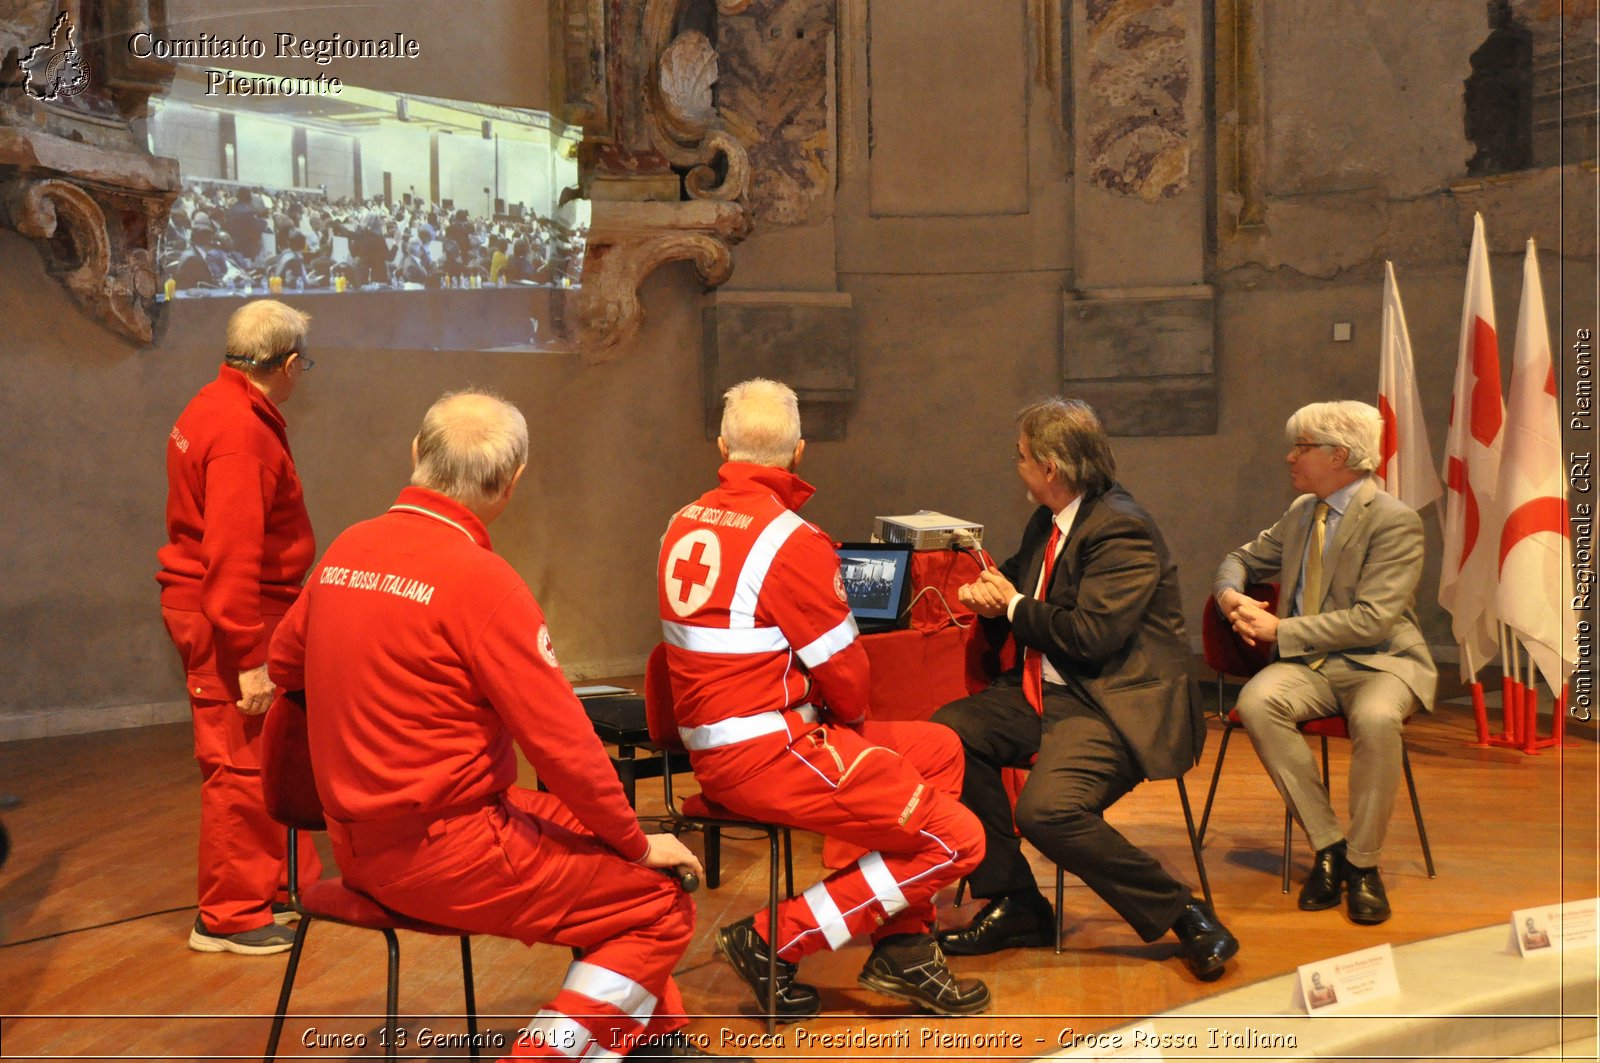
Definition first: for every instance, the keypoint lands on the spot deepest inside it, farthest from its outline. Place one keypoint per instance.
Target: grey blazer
(1372, 565)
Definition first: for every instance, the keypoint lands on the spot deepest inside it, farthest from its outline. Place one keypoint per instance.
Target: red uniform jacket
(423, 656)
(753, 609)
(239, 540)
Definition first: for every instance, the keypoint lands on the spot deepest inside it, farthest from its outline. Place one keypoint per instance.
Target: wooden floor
(97, 899)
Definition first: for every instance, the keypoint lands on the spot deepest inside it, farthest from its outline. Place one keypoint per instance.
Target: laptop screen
(876, 578)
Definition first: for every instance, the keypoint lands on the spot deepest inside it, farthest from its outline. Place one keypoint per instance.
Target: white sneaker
(262, 941)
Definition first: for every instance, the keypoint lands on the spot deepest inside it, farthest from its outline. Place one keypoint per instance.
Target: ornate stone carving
(628, 245)
(111, 275)
(75, 173)
(666, 179)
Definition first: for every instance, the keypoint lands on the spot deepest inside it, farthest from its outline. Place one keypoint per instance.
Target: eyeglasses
(1301, 448)
(306, 364)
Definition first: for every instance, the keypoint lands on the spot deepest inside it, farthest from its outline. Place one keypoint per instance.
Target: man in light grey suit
(1347, 643)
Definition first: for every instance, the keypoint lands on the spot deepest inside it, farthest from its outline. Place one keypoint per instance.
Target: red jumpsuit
(424, 657)
(239, 543)
(770, 682)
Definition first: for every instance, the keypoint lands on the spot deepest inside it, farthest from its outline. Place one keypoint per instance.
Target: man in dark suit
(1103, 698)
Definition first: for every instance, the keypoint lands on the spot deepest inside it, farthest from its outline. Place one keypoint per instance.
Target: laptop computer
(877, 581)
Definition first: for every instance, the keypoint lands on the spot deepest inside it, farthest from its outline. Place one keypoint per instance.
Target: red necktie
(1033, 660)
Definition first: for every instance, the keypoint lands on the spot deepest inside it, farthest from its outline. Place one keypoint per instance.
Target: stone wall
(955, 320)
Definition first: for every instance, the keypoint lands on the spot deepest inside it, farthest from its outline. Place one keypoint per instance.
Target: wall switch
(1342, 331)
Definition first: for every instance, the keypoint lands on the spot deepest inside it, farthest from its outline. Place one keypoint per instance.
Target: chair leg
(392, 1041)
(788, 864)
(1326, 785)
(1216, 774)
(472, 996)
(1061, 902)
(1288, 838)
(772, 931)
(961, 889)
(1416, 811)
(288, 987)
(713, 857)
(1194, 843)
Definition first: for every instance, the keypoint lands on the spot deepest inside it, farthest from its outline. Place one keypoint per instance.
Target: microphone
(686, 878)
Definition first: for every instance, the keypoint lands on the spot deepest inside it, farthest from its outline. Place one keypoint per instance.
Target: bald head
(471, 447)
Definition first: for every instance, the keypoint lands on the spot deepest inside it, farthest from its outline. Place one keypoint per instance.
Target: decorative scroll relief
(110, 280)
(626, 244)
(1138, 82)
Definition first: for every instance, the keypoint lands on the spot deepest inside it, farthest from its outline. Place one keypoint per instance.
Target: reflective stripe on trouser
(525, 868)
(835, 781)
(599, 1015)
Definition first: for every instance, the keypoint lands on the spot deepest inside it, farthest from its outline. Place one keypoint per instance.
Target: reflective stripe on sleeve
(723, 640)
(819, 650)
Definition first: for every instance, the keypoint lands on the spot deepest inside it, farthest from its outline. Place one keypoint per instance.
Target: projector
(927, 530)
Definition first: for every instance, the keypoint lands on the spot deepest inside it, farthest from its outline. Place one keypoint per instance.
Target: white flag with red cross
(1405, 459)
(1472, 470)
(1535, 554)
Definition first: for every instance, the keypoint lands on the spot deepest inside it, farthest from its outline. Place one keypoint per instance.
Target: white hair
(1355, 426)
(471, 444)
(262, 333)
(761, 423)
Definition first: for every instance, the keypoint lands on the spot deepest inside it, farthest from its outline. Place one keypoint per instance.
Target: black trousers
(1082, 768)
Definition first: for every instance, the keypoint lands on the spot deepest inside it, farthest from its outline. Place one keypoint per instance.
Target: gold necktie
(1311, 593)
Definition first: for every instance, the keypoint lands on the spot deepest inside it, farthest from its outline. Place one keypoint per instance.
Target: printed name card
(1344, 981)
(1548, 930)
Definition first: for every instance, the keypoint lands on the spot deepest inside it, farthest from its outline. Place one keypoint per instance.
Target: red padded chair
(289, 783)
(1230, 657)
(699, 812)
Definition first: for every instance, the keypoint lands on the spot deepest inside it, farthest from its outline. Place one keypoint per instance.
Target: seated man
(423, 658)
(1102, 699)
(770, 687)
(1348, 557)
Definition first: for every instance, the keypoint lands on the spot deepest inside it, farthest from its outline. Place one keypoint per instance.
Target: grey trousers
(1375, 706)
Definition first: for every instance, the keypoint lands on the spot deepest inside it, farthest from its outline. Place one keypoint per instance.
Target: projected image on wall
(371, 195)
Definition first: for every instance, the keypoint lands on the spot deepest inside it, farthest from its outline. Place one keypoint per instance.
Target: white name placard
(1334, 984)
(1555, 928)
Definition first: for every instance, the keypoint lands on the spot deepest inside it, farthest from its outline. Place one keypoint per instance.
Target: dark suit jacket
(1111, 623)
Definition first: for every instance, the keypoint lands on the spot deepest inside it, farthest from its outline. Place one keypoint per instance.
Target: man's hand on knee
(666, 851)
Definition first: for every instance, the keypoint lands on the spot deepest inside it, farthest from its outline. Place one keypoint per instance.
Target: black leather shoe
(1325, 884)
(911, 967)
(1206, 944)
(1366, 902)
(1015, 921)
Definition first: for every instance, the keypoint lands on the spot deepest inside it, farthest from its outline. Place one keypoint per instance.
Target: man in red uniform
(424, 657)
(238, 544)
(770, 687)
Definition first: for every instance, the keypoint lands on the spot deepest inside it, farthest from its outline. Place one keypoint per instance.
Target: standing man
(425, 663)
(1348, 557)
(1102, 699)
(238, 545)
(769, 683)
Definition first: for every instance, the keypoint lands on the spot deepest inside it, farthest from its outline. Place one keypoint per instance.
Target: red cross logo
(691, 570)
